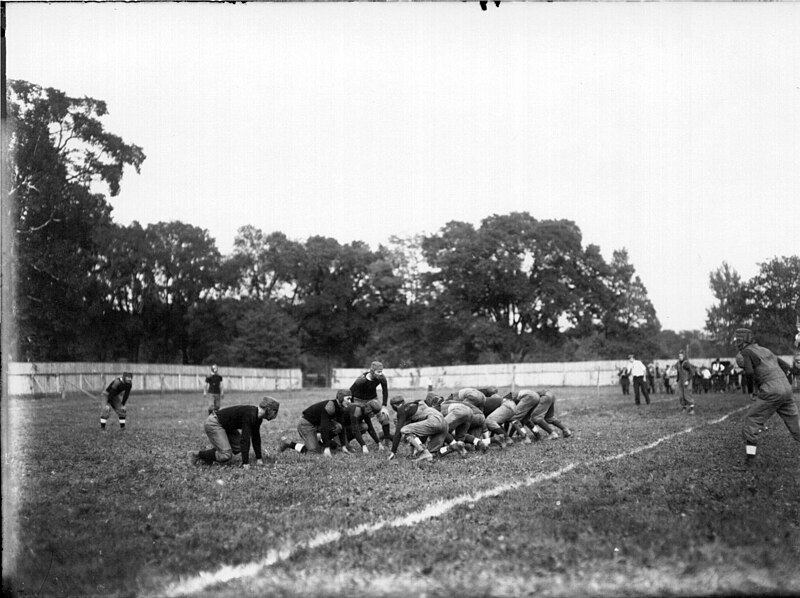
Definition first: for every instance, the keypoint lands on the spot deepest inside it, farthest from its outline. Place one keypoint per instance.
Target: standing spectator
(717, 375)
(638, 372)
(673, 377)
(685, 374)
(652, 373)
(705, 375)
(364, 390)
(624, 379)
(774, 393)
(232, 429)
(735, 375)
(417, 421)
(323, 418)
(667, 378)
(214, 388)
(115, 396)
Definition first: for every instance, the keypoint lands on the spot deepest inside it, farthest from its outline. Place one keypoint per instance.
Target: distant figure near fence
(115, 396)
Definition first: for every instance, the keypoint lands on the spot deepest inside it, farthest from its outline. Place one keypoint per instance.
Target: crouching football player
(323, 418)
(416, 420)
(543, 417)
(232, 429)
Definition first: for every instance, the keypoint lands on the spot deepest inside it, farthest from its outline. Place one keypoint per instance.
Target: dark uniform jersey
(119, 386)
(319, 416)
(214, 382)
(366, 390)
(244, 418)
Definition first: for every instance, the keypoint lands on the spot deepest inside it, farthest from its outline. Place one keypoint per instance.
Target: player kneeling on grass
(323, 418)
(115, 396)
(773, 391)
(232, 429)
(415, 420)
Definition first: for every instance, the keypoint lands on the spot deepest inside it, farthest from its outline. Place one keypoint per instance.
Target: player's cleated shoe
(424, 456)
(194, 457)
(284, 444)
(690, 411)
(552, 436)
(566, 433)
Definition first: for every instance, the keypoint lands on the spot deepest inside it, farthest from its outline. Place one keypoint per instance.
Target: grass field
(640, 501)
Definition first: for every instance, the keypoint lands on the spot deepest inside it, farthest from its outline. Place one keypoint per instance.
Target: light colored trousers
(225, 443)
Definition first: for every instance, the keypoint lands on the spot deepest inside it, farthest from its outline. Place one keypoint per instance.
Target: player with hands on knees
(115, 397)
(365, 389)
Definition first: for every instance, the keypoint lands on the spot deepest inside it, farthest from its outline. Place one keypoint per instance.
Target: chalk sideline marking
(227, 573)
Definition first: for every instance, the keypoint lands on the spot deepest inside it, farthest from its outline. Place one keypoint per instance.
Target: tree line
(513, 289)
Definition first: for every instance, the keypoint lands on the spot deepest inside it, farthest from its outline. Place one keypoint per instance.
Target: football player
(232, 429)
(115, 396)
(319, 426)
(773, 391)
(365, 389)
(416, 420)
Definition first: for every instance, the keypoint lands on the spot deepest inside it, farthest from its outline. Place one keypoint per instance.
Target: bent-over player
(773, 391)
(115, 396)
(231, 430)
(323, 418)
(364, 390)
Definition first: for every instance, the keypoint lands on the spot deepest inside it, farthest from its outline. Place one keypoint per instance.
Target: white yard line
(205, 579)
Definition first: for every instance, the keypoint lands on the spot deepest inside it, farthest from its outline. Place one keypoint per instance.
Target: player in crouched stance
(535, 416)
(323, 418)
(543, 417)
(232, 429)
(416, 420)
(773, 391)
(115, 396)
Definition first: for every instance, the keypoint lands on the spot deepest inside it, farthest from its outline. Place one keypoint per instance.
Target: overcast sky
(672, 130)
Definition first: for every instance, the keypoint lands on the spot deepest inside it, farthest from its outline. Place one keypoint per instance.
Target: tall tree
(183, 262)
(773, 292)
(733, 307)
(630, 308)
(530, 279)
(61, 156)
(334, 304)
(266, 264)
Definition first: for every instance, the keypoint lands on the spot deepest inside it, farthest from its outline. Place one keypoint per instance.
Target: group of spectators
(721, 376)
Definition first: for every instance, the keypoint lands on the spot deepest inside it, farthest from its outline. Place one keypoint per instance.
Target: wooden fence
(515, 376)
(61, 379)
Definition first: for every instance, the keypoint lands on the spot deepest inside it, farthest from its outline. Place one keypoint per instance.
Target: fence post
(513, 377)
(60, 384)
